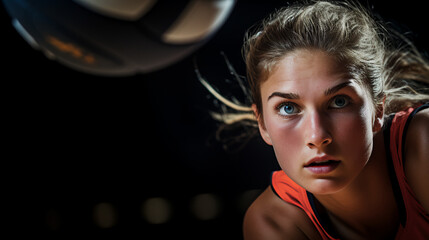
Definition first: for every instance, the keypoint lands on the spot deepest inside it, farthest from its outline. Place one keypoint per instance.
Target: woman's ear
(379, 117)
(261, 125)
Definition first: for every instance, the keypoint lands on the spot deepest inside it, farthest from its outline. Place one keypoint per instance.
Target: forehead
(303, 70)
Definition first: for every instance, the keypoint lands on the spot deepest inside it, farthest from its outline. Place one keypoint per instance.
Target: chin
(325, 186)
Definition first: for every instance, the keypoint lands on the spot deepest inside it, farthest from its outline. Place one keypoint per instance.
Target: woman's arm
(269, 217)
(417, 157)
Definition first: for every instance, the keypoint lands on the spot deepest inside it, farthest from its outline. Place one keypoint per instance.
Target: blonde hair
(378, 57)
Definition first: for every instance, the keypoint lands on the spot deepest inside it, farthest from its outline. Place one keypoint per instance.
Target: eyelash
(285, 103)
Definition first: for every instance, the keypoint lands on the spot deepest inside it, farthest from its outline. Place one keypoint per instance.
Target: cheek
(287, 142)
(353, 133)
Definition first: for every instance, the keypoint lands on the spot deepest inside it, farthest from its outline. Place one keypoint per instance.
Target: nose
(318, 134)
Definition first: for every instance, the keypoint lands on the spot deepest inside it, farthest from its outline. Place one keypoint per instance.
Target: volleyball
(117, 37)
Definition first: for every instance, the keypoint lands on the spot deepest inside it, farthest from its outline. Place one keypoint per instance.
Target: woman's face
(318, 120)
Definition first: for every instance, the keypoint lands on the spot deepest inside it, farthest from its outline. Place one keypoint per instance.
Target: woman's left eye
(339, 102)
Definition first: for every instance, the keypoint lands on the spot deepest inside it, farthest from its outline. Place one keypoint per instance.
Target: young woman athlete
(343, 105)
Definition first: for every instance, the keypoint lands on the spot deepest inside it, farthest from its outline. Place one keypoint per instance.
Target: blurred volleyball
(117, 37)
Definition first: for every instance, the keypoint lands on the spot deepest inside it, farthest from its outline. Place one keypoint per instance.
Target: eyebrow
(337, 88)
(327, 92)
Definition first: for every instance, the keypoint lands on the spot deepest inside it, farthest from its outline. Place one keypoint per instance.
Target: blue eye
(339, 102)
(288, 109)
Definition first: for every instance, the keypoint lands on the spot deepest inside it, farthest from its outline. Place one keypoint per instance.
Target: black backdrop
(76, 140)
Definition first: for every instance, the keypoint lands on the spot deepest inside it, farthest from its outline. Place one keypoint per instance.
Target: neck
(351, 210)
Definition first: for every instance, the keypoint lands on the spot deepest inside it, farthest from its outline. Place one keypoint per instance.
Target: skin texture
(310, 108)
(317, 128)
(270, 218)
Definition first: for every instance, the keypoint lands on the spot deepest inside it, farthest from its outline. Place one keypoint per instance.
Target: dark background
(77, 140)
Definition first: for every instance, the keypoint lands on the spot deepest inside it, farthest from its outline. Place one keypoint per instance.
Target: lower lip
(323, 169)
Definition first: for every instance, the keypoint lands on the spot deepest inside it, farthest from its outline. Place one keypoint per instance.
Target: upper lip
(319, 159)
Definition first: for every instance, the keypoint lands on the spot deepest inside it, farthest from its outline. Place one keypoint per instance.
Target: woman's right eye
(287, 109)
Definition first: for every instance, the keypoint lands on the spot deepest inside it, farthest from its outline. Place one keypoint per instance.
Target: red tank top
(414, 220)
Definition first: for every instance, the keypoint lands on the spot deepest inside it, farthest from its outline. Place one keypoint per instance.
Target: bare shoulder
(269, 217)
(417, 156)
